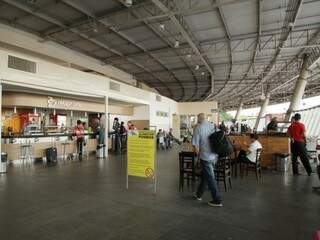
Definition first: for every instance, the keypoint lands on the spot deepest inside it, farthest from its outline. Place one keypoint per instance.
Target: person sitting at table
(249, 155)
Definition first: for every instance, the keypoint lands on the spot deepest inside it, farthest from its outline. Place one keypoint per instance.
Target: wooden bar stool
(223, 172)
(187, 167)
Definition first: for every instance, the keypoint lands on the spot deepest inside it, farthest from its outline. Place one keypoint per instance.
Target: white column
(298, 90)
(239, 110)
(0, 118)
(106, 126)
(263, 109)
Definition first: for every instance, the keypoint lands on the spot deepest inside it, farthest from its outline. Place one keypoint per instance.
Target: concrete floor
(88, 200)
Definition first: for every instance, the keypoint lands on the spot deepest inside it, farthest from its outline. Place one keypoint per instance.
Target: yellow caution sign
(141, 152)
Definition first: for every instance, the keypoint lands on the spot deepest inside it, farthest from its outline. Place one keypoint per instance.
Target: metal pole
(262, 110)
(239, 110)
(298, 90)
(155, 163)
(0, 119)
(106, 126)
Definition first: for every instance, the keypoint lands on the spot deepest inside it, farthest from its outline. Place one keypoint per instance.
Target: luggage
(52, 156)
(220, 144)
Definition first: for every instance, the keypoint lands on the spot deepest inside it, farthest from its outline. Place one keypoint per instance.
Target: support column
(106, 126)
(263, 109)
(239, 110)
(0, 119)
(298, 90)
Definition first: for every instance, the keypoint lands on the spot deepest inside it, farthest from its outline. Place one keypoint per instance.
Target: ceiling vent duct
(114, 86)
(21, 64)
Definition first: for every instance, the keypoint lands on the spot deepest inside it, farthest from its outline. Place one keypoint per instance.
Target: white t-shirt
(253, 150)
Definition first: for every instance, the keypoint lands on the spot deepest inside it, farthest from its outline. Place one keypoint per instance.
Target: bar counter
(272, 143)
(12, 144)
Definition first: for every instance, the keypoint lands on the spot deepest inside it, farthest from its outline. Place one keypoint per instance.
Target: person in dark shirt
(273, 125)
(297, 134)
(116, 125)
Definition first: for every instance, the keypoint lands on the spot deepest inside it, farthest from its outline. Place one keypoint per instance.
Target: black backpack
(220, 144)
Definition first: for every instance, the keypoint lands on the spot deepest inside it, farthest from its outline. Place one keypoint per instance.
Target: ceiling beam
(79, 8)
(188, 36)
(151, 28)
(84, 36)
(257, 44)
(227, 32)
(184, 33)
(293, 8)
(129, 22)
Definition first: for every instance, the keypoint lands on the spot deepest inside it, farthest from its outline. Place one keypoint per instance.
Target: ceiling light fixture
(202, 73)
(197, 67)
(95, 26)
(176, 44)
(189, 56)
(128, 3)
(161, 26)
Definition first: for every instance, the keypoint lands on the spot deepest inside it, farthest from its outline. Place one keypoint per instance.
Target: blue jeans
(207, 178)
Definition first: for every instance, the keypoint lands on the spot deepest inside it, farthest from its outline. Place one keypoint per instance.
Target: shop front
(41, 121)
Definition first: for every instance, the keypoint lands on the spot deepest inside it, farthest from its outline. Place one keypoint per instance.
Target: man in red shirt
(297, 134)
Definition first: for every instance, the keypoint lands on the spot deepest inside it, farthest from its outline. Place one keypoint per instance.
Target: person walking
(207, 159)
(297, 134)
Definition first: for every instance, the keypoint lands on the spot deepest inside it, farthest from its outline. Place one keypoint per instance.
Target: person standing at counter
(297, 134)
(273, 125)
(79, 131)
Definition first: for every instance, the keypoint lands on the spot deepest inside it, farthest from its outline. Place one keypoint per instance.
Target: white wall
(35, 44)
(166, 105)
(141, 113)
(57, 78)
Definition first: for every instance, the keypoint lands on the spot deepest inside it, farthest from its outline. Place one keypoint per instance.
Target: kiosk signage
(141, 155)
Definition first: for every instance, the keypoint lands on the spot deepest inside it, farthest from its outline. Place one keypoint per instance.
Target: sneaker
(195, 197)
(215, 204)
(311, 173)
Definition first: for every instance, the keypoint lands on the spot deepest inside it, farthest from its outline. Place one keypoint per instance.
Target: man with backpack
(207, 160)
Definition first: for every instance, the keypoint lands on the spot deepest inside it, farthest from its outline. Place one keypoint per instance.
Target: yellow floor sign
(142, 154)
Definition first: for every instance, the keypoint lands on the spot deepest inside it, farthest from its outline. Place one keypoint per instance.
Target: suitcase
(52, 156)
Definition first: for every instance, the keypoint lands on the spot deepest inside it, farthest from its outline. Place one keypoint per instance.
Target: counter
(41, 142)
(272, 143)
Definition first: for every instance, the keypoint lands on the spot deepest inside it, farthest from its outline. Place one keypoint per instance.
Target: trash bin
(3, 163)
(282, 162)
(100, 151)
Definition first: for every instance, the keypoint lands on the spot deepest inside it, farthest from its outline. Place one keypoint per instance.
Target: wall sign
(58, 103)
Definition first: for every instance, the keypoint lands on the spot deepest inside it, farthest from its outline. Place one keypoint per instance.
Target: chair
(234, 162)
(187, 167)
(223, 171)
(254, 166)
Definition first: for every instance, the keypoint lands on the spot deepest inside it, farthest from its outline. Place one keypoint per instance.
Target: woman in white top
(250, 154)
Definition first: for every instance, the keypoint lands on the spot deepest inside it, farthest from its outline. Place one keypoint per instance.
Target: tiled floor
(88, 200)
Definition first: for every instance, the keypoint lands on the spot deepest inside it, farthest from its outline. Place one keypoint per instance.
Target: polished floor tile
(89, 200)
